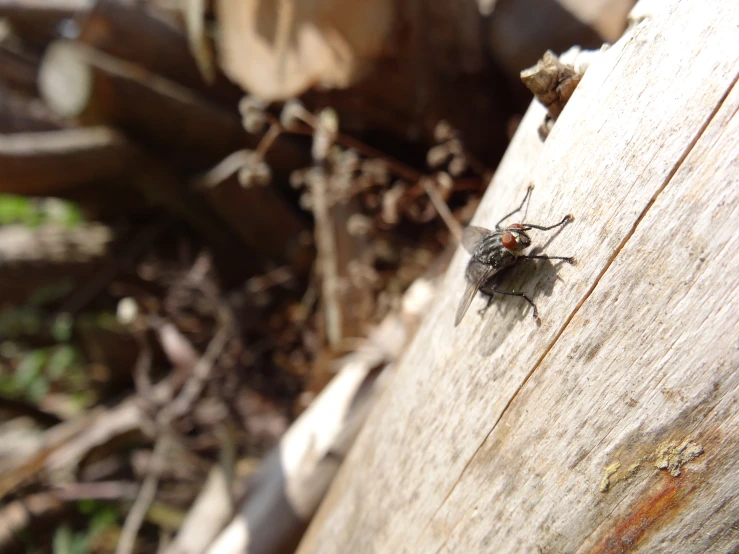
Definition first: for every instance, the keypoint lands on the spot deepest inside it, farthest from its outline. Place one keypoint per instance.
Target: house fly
(495, 251)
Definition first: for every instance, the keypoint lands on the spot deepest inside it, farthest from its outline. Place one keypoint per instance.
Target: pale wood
(209, 513)
(613, 426)
(295, 45)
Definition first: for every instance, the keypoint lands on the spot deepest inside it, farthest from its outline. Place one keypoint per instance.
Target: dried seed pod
(391, 203)
(297, 178)
(325, 133)
(359, 225)
(339, 186)
(443, 132)
(456, 147)
(458, 165)
(421, 211)
(253, 116)
(438, 156)
(372, 200)
(314, 176)
(363, 182)
(377, 170)
(263, 174)
(306, 201)
(349, 156)
(255, 172)
(290, 116)
(445, 183)
(362, 275)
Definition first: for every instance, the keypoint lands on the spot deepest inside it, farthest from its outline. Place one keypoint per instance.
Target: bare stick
(194, 386)
(442, 209)
(136, 515)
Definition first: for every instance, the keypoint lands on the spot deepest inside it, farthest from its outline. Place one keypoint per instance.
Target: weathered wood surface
(612, 427)
(54, 161)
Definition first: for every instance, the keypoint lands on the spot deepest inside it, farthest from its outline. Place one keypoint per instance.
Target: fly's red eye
(509, 241)
(516, 226)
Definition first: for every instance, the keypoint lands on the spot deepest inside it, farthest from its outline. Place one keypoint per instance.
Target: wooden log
(132, 31)
(295, 45)
(51, 254)
(38, 20)
(52, 244)
(19, 113)
(60, 162)
(18, 71)
(80, 82)
(612, 426)
(53, 162)
(43, 9)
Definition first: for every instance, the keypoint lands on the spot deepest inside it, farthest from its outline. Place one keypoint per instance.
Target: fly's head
(515, 239)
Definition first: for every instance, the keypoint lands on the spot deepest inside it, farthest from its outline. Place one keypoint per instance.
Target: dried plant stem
(238, 159)
(223, 169)
(310, 121)
(274, 131)
(441, 207)
(327, 261)
(194, 386)
(148, 490)
(178, 407)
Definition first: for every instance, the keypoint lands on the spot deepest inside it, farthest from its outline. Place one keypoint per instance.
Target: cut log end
(65, 79)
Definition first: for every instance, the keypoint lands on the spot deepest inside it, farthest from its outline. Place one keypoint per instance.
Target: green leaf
(29, 369)
(61, 327)
(60, 361)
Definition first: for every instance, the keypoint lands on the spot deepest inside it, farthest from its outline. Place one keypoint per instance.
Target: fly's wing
(470, 290)
(471, 237)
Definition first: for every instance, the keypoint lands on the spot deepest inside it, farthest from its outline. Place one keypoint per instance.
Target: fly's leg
(521, 295)
(523, 203)
(567, 219)
(484, 309)
(569, 260)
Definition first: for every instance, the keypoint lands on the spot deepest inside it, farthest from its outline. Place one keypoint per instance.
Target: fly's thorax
(491, 252)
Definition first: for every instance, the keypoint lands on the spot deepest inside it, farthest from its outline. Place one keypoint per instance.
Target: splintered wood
(499, 436)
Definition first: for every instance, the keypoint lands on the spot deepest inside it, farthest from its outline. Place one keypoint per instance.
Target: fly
(494, 251)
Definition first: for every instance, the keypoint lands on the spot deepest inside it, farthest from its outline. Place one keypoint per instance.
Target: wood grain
(501, 436)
